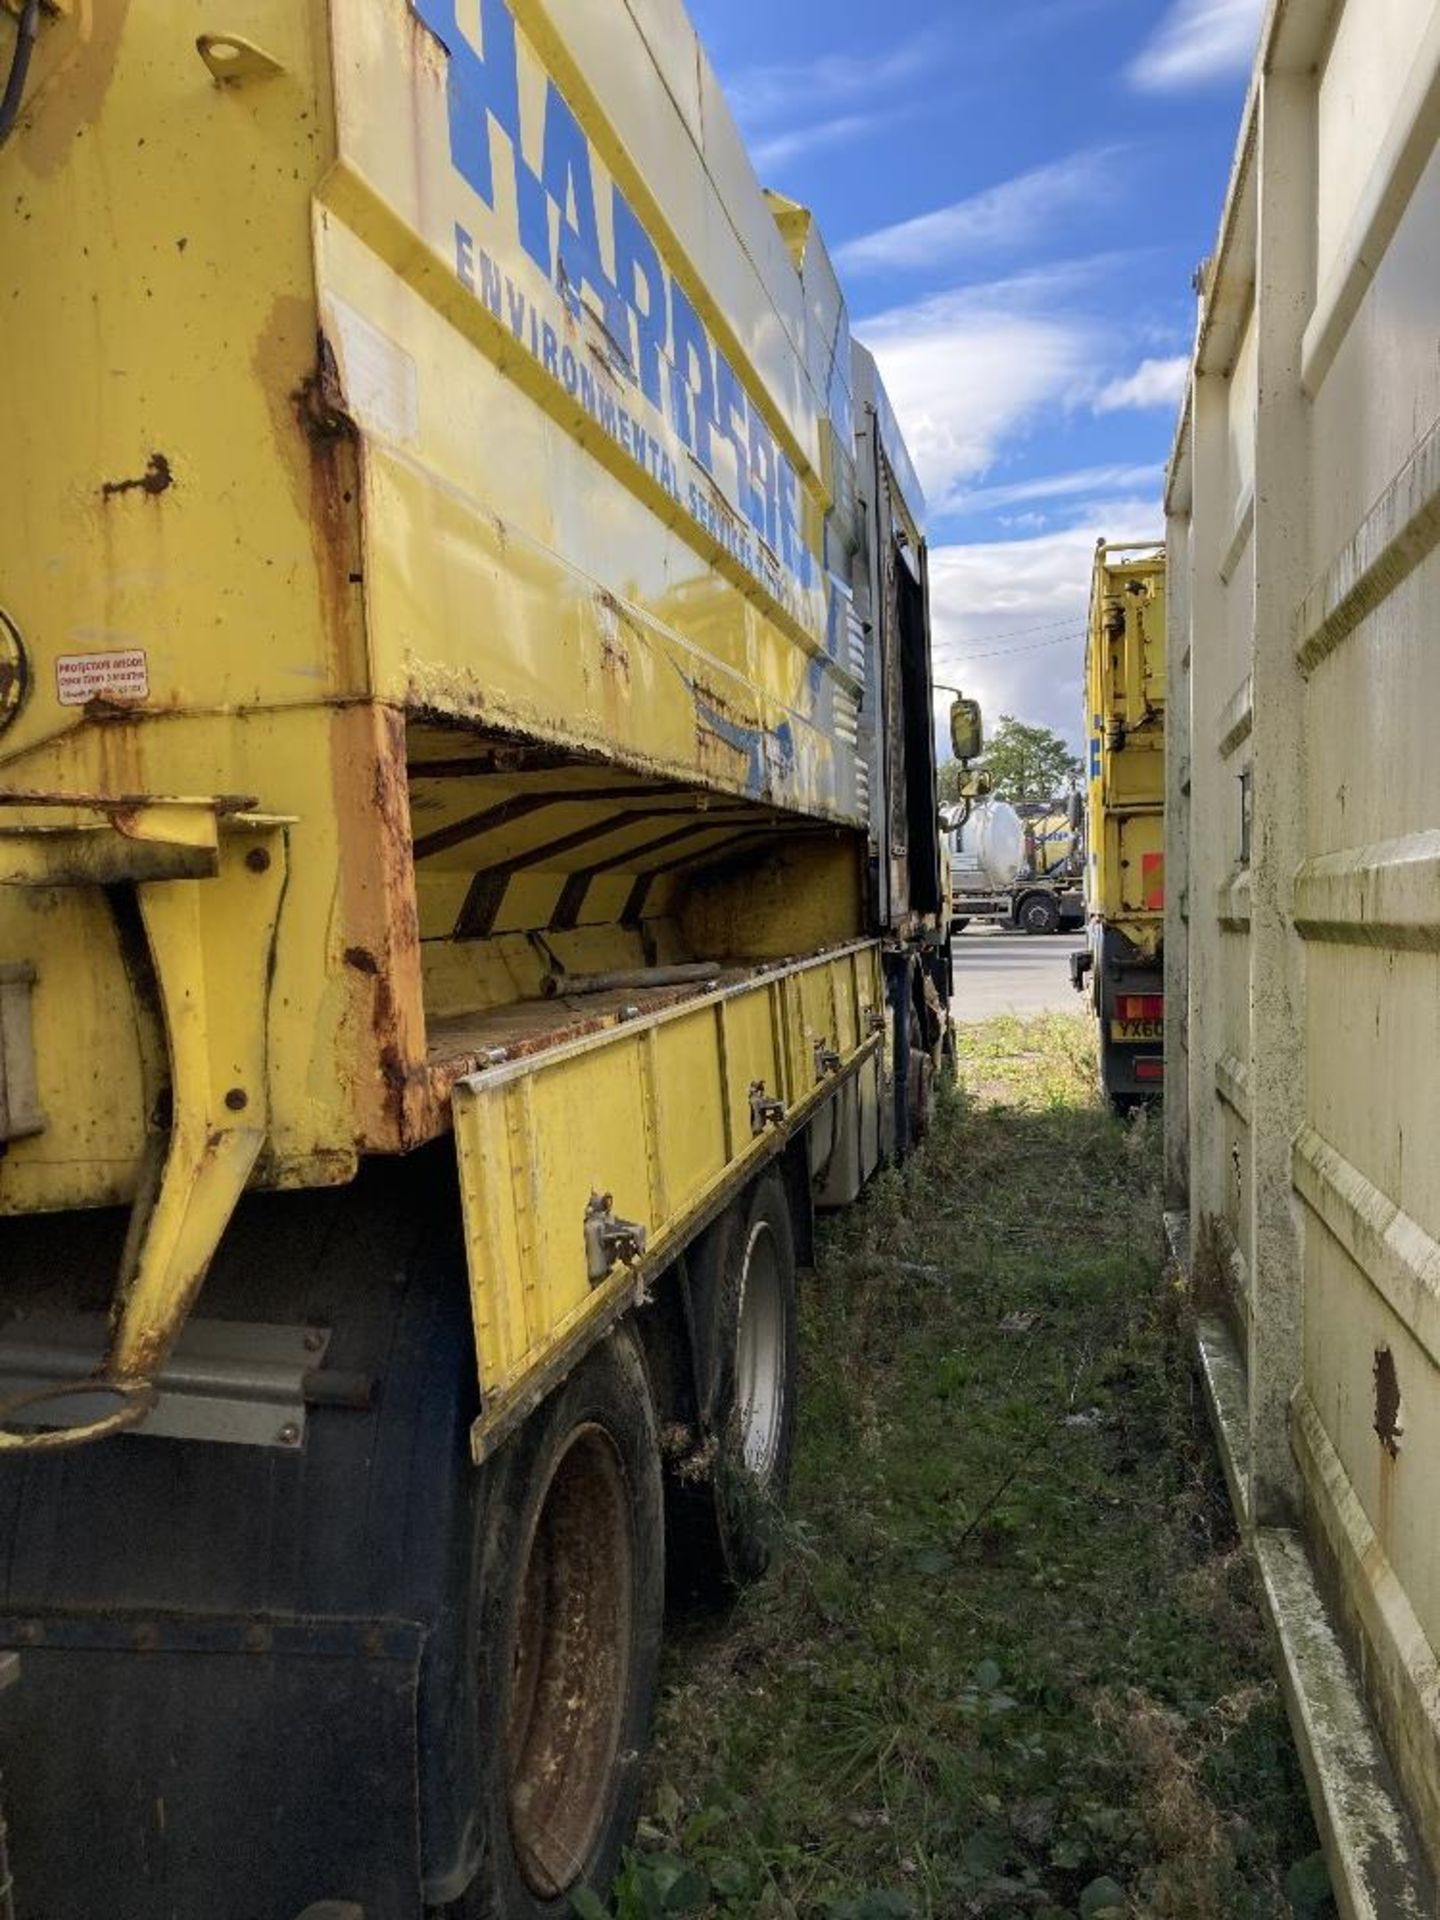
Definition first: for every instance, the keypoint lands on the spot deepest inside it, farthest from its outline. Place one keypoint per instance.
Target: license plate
(1133, 1031)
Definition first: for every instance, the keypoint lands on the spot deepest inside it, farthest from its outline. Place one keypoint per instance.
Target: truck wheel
(727, 1496)
(1039, 913)
(920, 1089)
(568, 1607)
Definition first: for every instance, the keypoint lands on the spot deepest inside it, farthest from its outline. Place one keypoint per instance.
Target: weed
(1010, 1662)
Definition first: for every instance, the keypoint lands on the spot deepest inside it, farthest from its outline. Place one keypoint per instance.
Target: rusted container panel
(1305, 507)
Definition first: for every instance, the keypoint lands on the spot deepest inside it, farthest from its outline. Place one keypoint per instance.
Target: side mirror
(967, 732)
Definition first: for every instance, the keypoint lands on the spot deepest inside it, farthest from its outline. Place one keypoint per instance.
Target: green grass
(1010, 1663)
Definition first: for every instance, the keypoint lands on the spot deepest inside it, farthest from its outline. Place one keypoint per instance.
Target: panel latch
(764, 1112)
(608, 1240)
(827, 1060)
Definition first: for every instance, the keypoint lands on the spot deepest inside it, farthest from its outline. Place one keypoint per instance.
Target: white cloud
(781, 148)
(1154, 383)
(1012, 214)
(760, 95)
(1079, 483)
(968, 370)
(1199, 41)
(1024, 602)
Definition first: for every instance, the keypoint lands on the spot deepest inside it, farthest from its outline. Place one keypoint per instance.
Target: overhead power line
(1043, 626)
(1002, 653)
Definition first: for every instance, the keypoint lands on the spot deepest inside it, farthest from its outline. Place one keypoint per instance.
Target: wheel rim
(570, 1666)
(760, 1354)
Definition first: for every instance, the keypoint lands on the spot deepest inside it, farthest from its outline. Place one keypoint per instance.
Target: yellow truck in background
(469, 890)
(1123, 969)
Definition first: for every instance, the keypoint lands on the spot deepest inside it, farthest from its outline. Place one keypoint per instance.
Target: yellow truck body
(1125, 802)
(463, 679)
(1302, 1104)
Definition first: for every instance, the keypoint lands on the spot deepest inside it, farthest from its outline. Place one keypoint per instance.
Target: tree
(1029, 763)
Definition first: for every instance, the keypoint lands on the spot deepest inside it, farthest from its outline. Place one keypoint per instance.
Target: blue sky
(1017, 197)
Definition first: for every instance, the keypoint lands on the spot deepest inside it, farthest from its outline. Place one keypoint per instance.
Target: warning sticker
(83, 677)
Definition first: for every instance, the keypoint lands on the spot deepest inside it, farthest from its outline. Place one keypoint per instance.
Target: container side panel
(576, 349)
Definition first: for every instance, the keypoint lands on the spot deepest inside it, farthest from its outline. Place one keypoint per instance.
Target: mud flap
(184, 1712)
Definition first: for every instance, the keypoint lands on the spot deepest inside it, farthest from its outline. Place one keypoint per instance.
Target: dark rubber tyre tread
(722, 1527)
(609, 1390)
(1039, 914)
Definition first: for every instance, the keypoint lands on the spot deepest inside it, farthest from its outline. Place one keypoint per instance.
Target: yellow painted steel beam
(210, 945)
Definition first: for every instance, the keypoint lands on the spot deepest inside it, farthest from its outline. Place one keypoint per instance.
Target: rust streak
(157, 478)
(1387, 1402)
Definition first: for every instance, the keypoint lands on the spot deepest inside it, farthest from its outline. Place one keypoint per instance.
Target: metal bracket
(764, 1112)
(206, 878)
(827, 1060)
(874, 1020)
(20, 1113)
(233, 60)
(609, 1241)
(227, 1380)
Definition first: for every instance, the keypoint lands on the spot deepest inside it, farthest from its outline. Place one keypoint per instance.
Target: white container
(1303, 928)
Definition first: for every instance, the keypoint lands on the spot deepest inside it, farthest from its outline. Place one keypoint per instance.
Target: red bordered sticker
(83, 677)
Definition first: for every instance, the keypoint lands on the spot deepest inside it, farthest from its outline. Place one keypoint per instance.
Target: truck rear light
(1140, 1006)
(1151, 1068)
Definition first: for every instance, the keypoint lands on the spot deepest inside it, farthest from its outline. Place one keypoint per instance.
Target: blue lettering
(654, 328)
(491, 285)
(692, 377)
(641, 285)
(791, 545)
(464, 258)
(571, 185)
(730, 416)
(481, 86)
(763, 507)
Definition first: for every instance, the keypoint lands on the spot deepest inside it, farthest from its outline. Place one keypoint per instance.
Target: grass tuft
(1011, 1662)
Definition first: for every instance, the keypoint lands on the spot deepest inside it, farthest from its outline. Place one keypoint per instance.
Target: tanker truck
(470, 890)
(1015, 867)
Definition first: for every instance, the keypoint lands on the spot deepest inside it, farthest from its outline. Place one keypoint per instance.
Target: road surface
(1000, 972)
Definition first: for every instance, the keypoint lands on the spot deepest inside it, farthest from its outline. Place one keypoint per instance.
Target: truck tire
(920, 1092)
(1039, 913)
(726, 1498)
(567, 1611)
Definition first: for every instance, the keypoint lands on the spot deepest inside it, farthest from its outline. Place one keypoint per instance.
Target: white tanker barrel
(989, 849)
